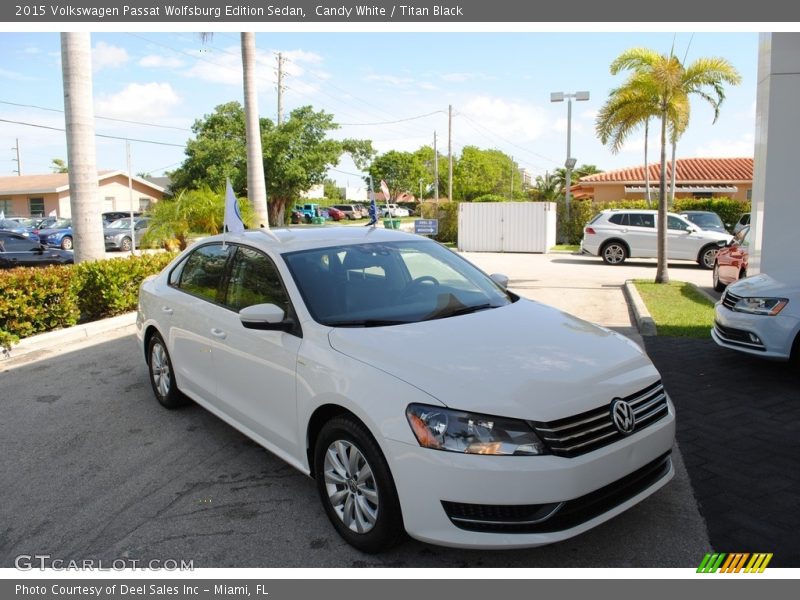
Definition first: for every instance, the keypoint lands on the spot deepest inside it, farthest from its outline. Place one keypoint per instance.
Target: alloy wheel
(351, 486)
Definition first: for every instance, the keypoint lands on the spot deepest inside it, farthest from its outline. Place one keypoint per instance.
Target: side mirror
(266, 317)
(500, 279)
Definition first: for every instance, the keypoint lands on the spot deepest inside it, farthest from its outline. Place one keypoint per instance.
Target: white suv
(617, 234)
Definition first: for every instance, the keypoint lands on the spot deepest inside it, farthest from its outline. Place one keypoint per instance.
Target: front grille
(547, 518)
(588, 431)
(738, 337)
(729, 300)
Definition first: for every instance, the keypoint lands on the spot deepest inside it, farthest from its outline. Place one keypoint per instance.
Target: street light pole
(570, 162)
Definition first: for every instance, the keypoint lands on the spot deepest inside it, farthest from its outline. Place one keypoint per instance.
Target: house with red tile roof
(39, 195)
(694, 178)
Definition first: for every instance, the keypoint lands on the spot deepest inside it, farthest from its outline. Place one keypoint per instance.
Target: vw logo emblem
(623, 417)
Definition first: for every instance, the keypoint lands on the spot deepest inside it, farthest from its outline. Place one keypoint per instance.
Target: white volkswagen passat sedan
(420, 394)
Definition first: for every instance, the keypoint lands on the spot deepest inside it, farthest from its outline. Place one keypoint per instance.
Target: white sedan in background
(420, 394)
(394, 211)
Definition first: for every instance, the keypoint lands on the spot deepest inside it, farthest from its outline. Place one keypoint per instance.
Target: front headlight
(760, 306)
(471, 433)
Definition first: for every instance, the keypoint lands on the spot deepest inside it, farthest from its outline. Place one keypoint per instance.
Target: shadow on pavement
(738, 423)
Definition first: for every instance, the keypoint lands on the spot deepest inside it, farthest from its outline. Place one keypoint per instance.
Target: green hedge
(42, 299)
(728, 210)
(448, 219)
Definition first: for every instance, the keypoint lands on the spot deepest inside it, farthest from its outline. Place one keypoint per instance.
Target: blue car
(14, 226)
(58, 234)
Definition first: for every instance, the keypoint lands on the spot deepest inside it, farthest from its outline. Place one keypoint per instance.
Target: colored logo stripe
(734, 562)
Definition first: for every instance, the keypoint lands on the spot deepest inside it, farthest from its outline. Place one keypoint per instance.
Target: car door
(183, 312)
(681, 244)
(641, 234)
(733, 261)
(256, 369)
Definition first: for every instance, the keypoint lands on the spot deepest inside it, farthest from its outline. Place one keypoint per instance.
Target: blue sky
(498, 83)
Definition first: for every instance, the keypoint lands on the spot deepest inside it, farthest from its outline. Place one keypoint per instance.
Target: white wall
(776, 202)
(506, 226)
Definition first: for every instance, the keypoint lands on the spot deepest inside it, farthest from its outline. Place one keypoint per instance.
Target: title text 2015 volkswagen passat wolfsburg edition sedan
(420, 394)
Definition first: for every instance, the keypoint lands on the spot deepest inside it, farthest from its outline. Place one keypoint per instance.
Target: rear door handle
(219, 333)
(167, 310)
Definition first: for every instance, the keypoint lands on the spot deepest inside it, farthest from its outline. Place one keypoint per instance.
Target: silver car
(118, 233)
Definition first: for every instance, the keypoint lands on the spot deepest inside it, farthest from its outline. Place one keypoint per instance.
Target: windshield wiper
(464, 310)
(365, 323)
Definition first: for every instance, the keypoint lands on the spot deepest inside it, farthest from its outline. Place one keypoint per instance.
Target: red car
(335, 214)
(731, 262)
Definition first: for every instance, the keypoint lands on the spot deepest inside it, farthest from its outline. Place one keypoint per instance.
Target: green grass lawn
(565, 248)
(678, 309)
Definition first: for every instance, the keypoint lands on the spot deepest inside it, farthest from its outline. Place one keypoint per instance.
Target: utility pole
(280, 88)
(450, 152)
(17, 160)
(435, 172)
(512, 179)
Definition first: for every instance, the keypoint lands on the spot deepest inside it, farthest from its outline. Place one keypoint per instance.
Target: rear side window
(641, 220)
(203, 271)
(619, 219)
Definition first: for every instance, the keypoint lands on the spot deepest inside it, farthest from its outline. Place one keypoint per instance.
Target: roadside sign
(426, 226)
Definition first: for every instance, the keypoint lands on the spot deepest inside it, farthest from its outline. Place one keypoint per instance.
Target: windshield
(705, 219)
(120, 224)
(365, 285)
(57, 224)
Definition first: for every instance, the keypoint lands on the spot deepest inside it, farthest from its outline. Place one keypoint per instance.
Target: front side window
(254, 280)
(203, 271)
(676, 224)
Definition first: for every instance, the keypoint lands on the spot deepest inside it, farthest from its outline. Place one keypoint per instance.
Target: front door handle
(218, 333)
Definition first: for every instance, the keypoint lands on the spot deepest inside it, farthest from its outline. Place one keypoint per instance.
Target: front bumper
(774, 336)
(473, 501)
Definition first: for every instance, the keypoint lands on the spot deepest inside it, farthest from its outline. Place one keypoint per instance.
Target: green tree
(331, 190)
(546, 188)
(401, 171)
(480, 172)
(665, 79)
(59, 165)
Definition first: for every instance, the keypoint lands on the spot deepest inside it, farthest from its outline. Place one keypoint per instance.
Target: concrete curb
(642, 316)
(703, 293)
(71, 334)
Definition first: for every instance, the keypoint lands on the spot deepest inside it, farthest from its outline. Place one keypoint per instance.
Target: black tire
(718, 285)
(369, 491)
(125, 244)
(162, 375)
(707, 256)
(614, 253)
(66, 243)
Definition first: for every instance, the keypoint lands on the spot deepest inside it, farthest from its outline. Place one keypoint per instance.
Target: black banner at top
(394, 11)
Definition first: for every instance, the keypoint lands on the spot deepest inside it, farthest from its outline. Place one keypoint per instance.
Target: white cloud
(727, 148)
(457, 77)
(157, 61)
(513, 120)
(138, 102)
(108, 56)
(427, 86)
(31, 50)
(391, 80)
(13, 75)
(636, 146)
(561, 126)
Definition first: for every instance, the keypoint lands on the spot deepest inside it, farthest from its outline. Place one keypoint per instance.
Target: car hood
(52, 231)
(524, 360)
(764, 285)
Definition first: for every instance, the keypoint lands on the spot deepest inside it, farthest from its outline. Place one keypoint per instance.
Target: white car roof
(291, 239)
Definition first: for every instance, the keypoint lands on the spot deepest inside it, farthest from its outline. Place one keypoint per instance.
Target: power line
(435, 112)
(101, 135)
(507, 141)
(58, 110)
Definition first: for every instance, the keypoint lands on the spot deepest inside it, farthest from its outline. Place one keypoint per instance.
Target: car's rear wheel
(356, 486)
(718, 285)
(125, 244)
(66, 243)
(614, 253)
(162, 376)
(708, 256)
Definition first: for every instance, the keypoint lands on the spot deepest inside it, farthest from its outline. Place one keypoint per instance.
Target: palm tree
(76, 71)
(667, 81)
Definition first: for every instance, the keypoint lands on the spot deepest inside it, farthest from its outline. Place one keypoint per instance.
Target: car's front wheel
(125, 244)
(708, 256)
(614, 253)
(356, 486)
(162, 375)
(66, 243)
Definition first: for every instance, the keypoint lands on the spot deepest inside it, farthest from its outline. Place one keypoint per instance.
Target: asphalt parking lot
(94, 468)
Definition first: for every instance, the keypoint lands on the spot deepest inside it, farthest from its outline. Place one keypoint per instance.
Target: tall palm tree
(671, 83)
(76, 72)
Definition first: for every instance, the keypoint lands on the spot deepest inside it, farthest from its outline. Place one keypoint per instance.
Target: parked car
(59, 234)
(45, 223)
(110, 217)
(117, 235)
(17, 250)
(760, 315)
(418, 392)
(743, 221)
(351, 211)
(394, 211)
(730, 263)
(333, 213)
(616, 235)
(705, 220)
(15, 227)
(364, 210)
(309, 211)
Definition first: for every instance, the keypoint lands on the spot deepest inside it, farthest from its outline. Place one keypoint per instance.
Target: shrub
(728, 210)
(447, 214)
(490, 198)
(42, 299)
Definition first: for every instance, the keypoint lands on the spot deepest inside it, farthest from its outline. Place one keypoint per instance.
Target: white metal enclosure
(506, 226)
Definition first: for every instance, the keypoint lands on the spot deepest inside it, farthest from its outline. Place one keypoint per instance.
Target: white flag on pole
(233, 218)
(2, 215)
(53, 213)
(385, 190)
